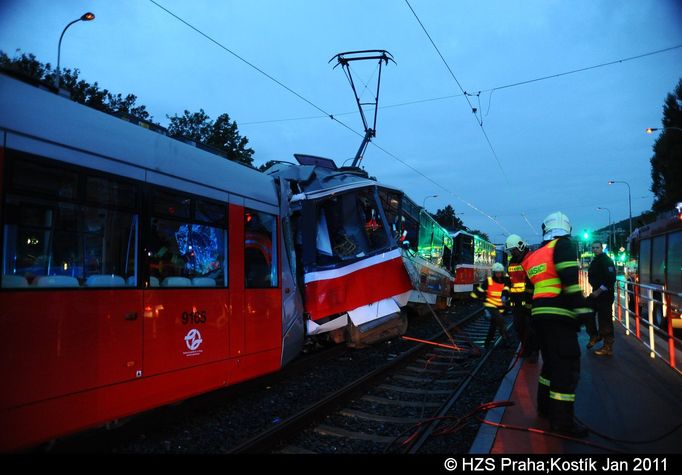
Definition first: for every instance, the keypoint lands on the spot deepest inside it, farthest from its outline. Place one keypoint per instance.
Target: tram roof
(319, 181)
(29, 113)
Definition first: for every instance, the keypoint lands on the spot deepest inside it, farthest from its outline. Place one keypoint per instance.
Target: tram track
(371, 414)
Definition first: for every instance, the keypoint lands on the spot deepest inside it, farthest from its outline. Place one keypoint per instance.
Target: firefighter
(558, 306)
(495, 291)
(602, 277)
(521, 293)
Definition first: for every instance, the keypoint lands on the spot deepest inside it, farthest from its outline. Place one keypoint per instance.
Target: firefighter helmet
(514, 241)
(497, 267)
(555, 225)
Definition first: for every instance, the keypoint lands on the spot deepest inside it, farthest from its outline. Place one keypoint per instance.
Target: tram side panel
(101, 321)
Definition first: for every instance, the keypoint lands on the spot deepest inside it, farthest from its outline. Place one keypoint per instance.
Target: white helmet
(497, 267)
(555, 225)
(514, 241)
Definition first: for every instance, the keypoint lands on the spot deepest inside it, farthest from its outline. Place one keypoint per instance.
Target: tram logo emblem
(193, 341)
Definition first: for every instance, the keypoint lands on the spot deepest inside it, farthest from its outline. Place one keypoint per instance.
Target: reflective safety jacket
(493, 293)
(521, 290)
(517, 276)
(553, 271)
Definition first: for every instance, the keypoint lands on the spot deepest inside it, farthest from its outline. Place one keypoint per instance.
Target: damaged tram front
(348, 259)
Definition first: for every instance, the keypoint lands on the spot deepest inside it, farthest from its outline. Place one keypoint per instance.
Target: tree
(221, 134)
(479, 233)
(666, 164)
(81, 91)
(447, 218)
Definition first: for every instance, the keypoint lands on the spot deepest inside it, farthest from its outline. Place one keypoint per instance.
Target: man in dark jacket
(602, 277)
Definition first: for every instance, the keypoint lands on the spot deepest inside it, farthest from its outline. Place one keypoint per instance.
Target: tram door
(186, 296)
(262, 294)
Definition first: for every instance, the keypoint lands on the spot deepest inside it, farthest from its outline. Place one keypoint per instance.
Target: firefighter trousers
(560, 369)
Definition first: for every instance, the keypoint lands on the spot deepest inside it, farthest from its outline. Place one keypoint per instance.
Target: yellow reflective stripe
(552, 244)
(582, 310)
(494, 293)
(562, 396)
(546, 282)
(571, 289)
(518, 287)
(546, 290)
(514, 268)
(490, 304)
(543, 381)
(473, 295)
(565, 265)
(553, 311)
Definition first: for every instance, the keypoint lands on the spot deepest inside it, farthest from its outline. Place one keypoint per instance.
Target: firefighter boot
(606, 350)
(562, 420)
(593, 341)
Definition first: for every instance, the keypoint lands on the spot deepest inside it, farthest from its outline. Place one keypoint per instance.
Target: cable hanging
(326, 114)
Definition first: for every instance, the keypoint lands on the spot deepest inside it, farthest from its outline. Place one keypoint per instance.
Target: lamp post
(424, 202)
(89, 16)
(651, 130)
(601, 208)
(611, 182)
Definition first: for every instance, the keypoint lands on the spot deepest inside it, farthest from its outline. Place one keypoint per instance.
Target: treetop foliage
(221, 134)
(666, 163)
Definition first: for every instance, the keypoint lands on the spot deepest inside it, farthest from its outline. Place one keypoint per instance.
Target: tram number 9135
(193, 317)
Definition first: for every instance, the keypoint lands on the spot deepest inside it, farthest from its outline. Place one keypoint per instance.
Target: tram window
(645, 261)
(184, 249)
(168, 203)
(370, 217)
(674, 266)
(349, 227)
(110, 192)
(658, 260)
(67, 239)
(412, 228)
(465, 251)
(390, 201)
(42, 179)
(260, 250)
(211, 212)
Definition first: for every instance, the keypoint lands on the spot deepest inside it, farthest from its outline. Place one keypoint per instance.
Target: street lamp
(651, 130)
(89, 16)
(601, 208)
(611, 182)
(424, 202)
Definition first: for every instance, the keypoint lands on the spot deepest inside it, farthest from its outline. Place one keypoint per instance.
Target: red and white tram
(136, 270)
(348, 260)
(473, 260)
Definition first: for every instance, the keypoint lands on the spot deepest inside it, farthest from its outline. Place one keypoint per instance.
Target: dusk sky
(556, 141)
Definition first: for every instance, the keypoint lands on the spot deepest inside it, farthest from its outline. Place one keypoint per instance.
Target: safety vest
(539, 267)
(542, 273)
(493, 294)
(518, 278)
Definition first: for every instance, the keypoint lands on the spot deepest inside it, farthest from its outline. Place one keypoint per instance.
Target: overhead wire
(473, 109)
(491, 90)
(331, 116)
(244, 60)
